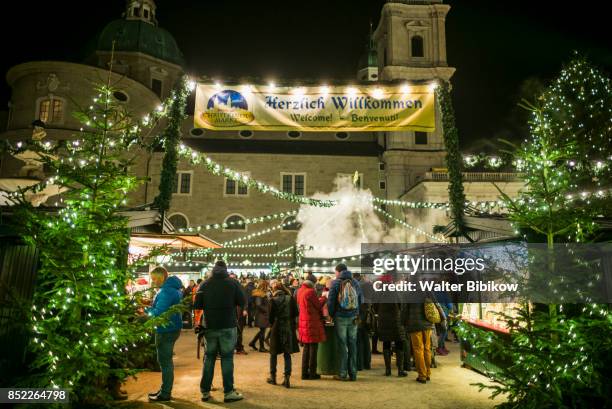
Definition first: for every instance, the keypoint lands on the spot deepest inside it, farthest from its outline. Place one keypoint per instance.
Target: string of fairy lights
(409, 226)
(244, 179)
(240, 222)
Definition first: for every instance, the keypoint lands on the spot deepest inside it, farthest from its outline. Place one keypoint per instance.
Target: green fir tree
(83, 321)
(558, 355)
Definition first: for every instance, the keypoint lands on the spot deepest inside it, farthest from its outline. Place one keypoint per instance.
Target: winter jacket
(310, 324)
(262, 309)
(389, 322)
(218, 297)
(332, 299)
(170, 294)
(283, 315)
(414, 318)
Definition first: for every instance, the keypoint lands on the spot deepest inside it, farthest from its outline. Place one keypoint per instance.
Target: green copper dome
(139, 36)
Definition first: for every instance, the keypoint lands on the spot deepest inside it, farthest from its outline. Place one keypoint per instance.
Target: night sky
(495, 45)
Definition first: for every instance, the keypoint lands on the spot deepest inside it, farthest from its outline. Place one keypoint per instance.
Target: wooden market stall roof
(177, 241)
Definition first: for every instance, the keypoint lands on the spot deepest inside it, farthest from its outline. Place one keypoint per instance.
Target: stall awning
(174, 241)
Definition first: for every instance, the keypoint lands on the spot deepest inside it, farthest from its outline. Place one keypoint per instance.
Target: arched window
(291, 224)
(179, 221)
(235, 222)
(416, 45)
(51, 110)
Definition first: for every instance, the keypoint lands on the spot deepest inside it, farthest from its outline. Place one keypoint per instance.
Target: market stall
(484, 316)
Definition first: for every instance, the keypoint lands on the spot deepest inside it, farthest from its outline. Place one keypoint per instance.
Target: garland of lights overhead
(408, 225)
(255, 245)
(241, 222)
(197, 158)
(257, 234)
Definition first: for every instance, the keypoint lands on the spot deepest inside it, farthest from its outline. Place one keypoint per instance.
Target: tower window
(416, 44)
(156, 86)
(136, 11)
(382, 185)
(146, 13)
(420, 138)
(51, 110)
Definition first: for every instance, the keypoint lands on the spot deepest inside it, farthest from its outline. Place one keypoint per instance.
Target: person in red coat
(310, 328)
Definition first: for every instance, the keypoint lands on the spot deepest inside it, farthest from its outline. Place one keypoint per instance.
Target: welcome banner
(334, 108)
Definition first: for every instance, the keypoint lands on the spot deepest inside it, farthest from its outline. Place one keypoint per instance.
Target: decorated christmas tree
(83, 321)
(558, 355)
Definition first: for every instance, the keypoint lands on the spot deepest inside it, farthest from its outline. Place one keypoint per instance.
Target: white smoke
(339, 231)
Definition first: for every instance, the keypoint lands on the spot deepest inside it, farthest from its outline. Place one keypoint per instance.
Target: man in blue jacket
(343, 302)
(166, 335)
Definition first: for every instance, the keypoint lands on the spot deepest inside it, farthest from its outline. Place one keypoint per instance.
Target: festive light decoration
(245, 180)
(171, 139)
(257, 234)
(253, 255)
(254, 220)
(409, 226)
(254, 245)
(554, 355)
(82, 319)
(453, 158)
(412, 205)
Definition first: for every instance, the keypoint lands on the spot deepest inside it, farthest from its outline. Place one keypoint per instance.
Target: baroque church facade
(408, 45)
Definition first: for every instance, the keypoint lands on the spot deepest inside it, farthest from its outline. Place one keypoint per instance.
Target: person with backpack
(420, 319)
(345, 298)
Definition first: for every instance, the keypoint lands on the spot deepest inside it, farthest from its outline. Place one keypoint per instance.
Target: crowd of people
(292, 314)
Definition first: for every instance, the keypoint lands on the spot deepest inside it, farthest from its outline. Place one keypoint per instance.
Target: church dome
(140, 36)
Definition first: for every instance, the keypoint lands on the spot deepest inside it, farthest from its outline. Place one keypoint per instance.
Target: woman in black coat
(390, 329)
(283, 337)
(262, 312)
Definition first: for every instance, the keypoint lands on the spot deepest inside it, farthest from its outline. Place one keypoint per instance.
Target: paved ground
(449, 386)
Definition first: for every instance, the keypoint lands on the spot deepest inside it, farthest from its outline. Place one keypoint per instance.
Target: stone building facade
(408, 45)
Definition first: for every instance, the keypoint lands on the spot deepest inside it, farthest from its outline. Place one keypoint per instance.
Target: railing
(477, 176)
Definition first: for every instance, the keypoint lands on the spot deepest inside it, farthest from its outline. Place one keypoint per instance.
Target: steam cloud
(340, 230)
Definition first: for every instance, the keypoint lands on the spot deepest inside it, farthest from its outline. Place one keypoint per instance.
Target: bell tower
(142, 10)
(411, 46)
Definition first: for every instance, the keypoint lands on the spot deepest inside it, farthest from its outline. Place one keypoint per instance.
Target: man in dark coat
(218, 297)
(283, 338)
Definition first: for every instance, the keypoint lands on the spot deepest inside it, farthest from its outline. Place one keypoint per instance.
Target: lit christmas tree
(558, 355)
(83, 321)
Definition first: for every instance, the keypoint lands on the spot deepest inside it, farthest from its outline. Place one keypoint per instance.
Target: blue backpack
(347, 295)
